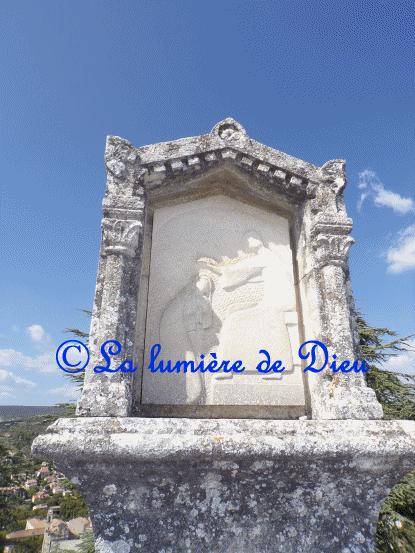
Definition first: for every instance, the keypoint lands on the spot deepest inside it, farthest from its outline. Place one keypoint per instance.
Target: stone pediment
(227, 146)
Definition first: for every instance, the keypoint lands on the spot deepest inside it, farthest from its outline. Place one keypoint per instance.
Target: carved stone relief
(121, 236)
(225, 272)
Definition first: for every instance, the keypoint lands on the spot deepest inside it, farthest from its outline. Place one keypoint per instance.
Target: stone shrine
(217, 247)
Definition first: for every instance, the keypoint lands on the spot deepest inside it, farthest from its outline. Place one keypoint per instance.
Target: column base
(105, 399)
(357, 402)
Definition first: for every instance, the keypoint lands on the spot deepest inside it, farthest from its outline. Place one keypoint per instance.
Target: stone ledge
(227, 485)
(172, 439)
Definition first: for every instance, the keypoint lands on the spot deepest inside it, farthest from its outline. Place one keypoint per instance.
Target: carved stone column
(326, 291)
(115, 305)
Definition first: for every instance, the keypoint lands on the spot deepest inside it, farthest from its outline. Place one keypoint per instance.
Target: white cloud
(4, 394)
(45, 363)
(11, 384)
(10, 357)
(369, 181)
(404, 362)
(41, 341)
(402, 257)
(36, 332)
(10, 381)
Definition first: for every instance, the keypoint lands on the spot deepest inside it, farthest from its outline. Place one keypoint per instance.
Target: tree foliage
(87, 544)
(395, 530)
(31, 544)
(396, 397)
(71, 507)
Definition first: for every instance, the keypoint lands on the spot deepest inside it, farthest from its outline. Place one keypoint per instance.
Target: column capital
(121, 236)
(331, 249)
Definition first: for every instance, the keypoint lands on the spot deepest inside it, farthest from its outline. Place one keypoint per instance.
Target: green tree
(73, 507)
(395, 529)
(31, 544)
(31, 491)
(5, 517)
(87, 544)
(20, 513)
(77, 378)
(396, 397)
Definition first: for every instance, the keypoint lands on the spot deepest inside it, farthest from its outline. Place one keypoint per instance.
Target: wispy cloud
(67, 391)
(10, 381)
(40, 340)
(5, 392)
(10, 384)
(44, 362)
(403, 363)
(402, 256)
(369, 181)
(36, 332)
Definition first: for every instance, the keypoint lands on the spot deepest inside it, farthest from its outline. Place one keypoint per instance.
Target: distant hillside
(12, 412)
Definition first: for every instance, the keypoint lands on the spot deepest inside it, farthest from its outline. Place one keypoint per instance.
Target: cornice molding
(227, 143)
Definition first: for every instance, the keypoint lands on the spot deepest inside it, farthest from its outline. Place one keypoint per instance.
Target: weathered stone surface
(226, 288)
(308, 200)
(184, 485)
(191, 226)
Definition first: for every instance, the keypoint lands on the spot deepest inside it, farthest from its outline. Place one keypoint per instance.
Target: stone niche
(221, 281)
(219, 245)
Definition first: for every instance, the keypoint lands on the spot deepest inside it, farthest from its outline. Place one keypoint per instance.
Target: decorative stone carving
(313, 196)
(327, 192)
(332, 249)
(229, 130)
(119, 154)
(122, 162)
(231, 302)
(121, 236)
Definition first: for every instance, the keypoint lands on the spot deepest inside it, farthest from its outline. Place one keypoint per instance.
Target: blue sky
(316, 79)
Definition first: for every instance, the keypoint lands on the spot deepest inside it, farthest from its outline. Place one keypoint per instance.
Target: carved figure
(228, 300)
(197, 313)
(118, 154)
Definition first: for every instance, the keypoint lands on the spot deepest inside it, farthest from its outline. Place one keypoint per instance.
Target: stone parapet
(220, 485)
